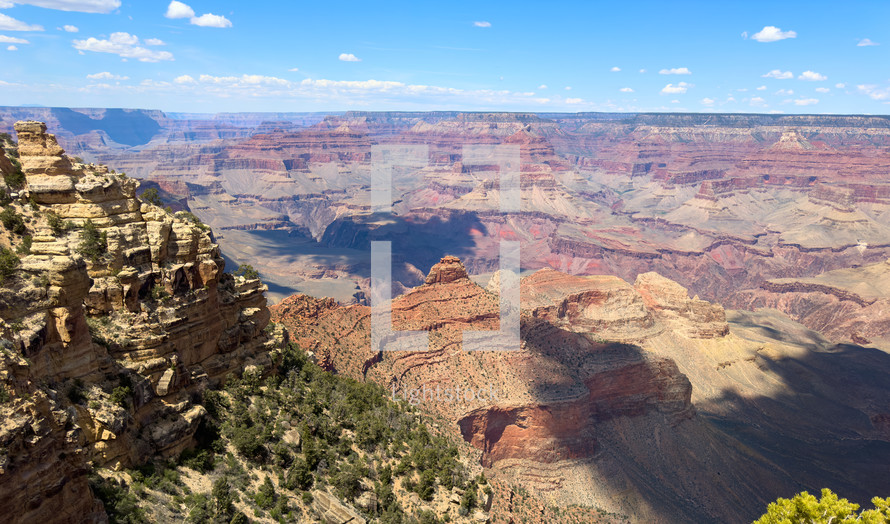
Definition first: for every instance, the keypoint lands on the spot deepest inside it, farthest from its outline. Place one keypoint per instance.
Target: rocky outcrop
(331, 511)
(670, 301)
(565, 410)
(604, 305)
(447, 270)
(116, 294)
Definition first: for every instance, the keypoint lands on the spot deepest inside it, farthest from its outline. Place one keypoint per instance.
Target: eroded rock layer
(119, 313)
(579, 413)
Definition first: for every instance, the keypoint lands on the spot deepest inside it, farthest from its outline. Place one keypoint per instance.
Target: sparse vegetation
(93, 245)
(247, 271)
(16, 178)
(191, 217)
(350, 434)
(151, 196)
(8, 262)
(25, 247)
(12, 221)
(58, 226)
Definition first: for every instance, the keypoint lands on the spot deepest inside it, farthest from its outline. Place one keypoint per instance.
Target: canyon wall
(116, 318)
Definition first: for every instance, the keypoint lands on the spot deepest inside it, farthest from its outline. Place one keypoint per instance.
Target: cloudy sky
(299, 55)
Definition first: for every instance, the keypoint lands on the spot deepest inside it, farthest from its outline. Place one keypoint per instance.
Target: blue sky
(209, 56)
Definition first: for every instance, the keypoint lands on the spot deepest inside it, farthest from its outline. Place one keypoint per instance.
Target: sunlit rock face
(154, 311)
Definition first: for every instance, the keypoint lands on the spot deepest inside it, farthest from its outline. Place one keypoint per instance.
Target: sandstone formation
(105, 344)
(573, 414)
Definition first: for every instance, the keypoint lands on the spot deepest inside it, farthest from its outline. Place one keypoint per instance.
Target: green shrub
(93, 245)
(12, 220)
(265, 496)
(25, 247)
(247, 271)
(121, 505)
(121, 396)
(151, 196)
(191, 217)
(158, 292)
(8, 262)
(299, 476)
(58, 226)
(15, 179)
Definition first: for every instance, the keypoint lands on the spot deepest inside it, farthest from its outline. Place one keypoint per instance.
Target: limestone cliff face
(145, 310)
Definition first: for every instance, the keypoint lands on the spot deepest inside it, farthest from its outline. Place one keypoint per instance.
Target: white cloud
(840, 85)
(542, 86)
(179, 10)
(568, 88)
(806, 102)
(675, 71)
(348, 57)
(626, 90)
(757, 101)
(642, 70)
(82, 6)
(675, 89)
(772, 34)
(761, 88)
(675, 101)
(243, 79)
(866, 42)
(785, 92)
(70, 28)
(211, 20)
(294, 69)
(122, 44)
(8, 23)
(707, 101)
(874, 92)
(12, 48)
(822, 90)
(779, 74)
(154, 41)
(615, 69)
(105, 75)
(348, 93)
(812, 76)
(745, 35)
(12, 40)
(482, 23)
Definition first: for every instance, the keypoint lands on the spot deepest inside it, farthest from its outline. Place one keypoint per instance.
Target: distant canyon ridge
(750, 211)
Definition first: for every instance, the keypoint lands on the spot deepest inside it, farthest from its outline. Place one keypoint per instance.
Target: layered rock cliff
(575, 413)
(117, 316)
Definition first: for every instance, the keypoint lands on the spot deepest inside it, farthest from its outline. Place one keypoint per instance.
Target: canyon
(703, 314)
(718, 203)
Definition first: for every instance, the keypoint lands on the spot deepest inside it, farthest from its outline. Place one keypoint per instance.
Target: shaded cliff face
(615, 384)
(116, 316)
